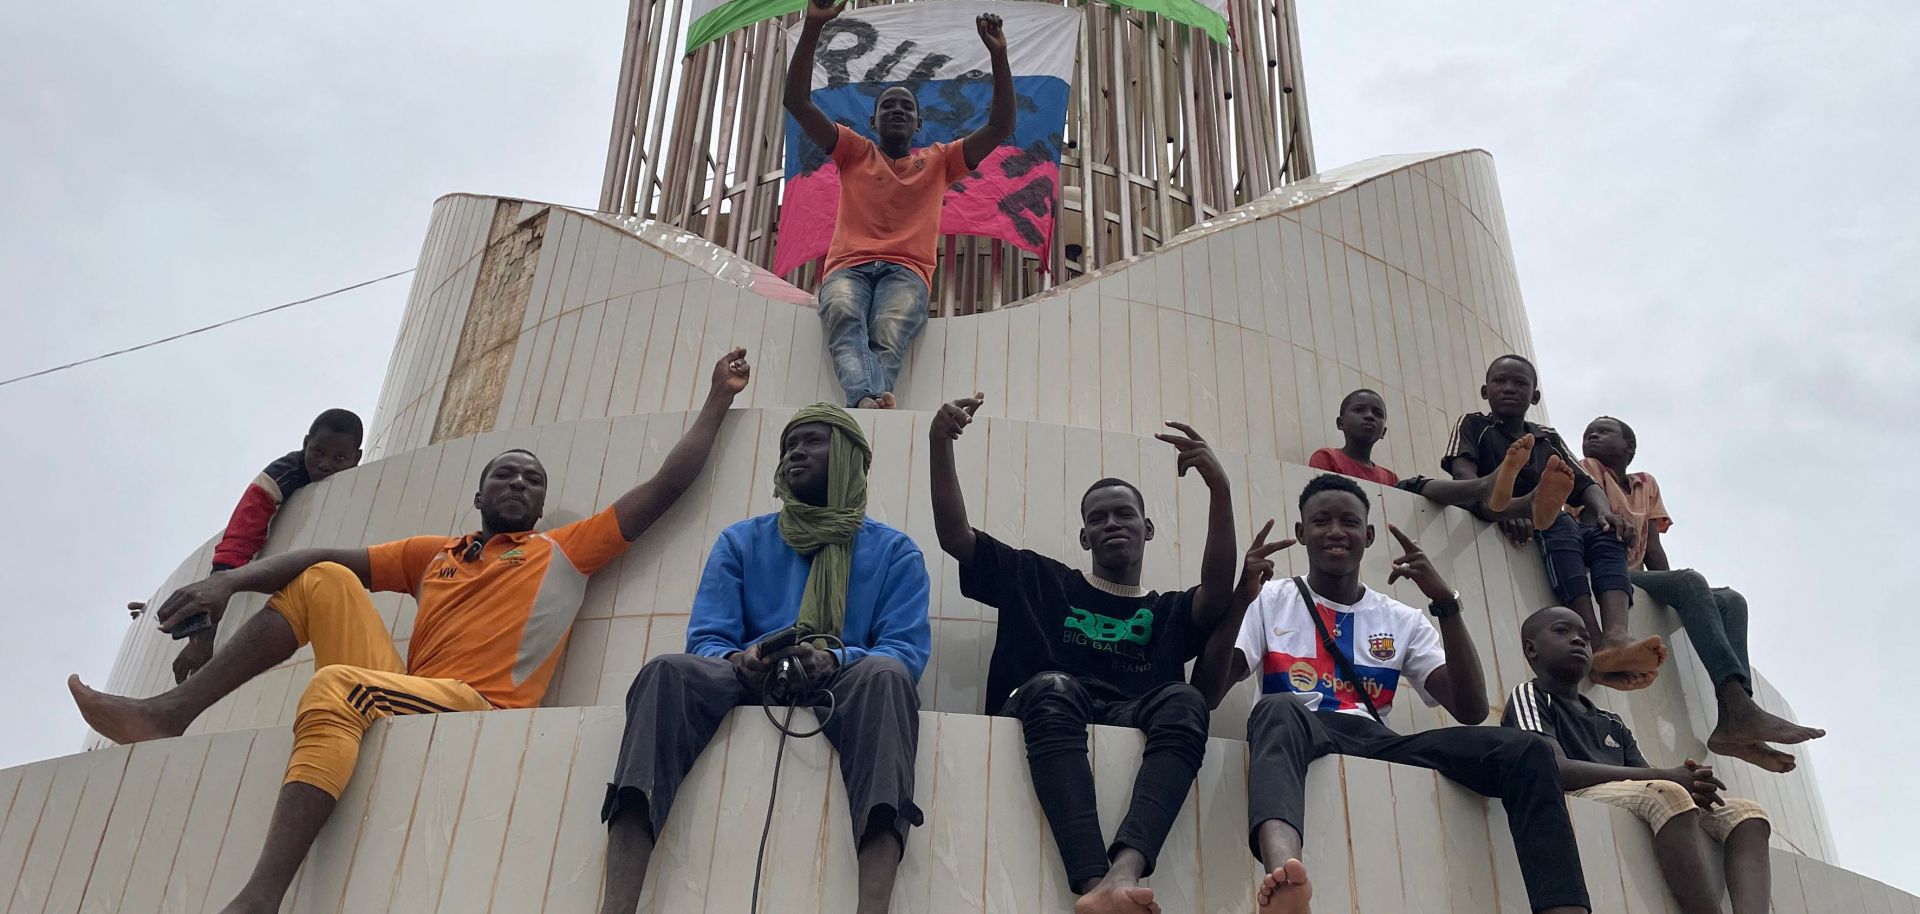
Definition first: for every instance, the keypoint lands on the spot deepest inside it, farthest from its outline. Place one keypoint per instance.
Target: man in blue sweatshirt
(822, 564)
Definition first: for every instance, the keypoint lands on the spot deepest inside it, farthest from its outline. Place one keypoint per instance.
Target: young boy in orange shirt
(1715, 617)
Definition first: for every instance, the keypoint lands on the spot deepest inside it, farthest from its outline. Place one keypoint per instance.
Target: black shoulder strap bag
(1340, 659)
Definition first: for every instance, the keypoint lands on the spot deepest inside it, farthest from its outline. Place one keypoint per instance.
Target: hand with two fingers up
(1258, 568)
(1195, 454)
(1415, 567)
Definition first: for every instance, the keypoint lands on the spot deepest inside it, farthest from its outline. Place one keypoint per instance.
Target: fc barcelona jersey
(1389, 642)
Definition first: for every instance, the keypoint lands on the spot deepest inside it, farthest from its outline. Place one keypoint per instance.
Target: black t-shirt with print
(1479, 437)
(1051, 619)
(1585, 733)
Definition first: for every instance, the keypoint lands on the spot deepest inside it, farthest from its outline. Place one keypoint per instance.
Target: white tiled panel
(500, 811)
(588, 340)
(1021, 480)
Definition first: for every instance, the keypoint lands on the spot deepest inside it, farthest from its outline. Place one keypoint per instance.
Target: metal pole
(1156, 106)
(1195, 175)
(729, 119)
(1091, 249)
(664, 81)
(621, 137)
(651, 48)
(1123, 158)
(770, 41)
(1297, 101)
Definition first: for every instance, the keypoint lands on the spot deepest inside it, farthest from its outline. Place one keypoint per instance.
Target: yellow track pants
(358, 677)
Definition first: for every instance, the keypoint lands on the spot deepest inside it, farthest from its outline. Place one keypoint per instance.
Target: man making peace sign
(1330, 675)
(1076, 648)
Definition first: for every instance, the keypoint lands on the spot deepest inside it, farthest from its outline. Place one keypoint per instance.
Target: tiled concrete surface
(1021, 480)
(1393, 274)
(499, 812)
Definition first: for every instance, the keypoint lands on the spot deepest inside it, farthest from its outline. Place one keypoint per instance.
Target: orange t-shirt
(496, 623)
(890, 208)
(1638, 504)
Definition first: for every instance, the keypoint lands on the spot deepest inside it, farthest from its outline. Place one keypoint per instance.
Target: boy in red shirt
(1363, 422)
(879, 269)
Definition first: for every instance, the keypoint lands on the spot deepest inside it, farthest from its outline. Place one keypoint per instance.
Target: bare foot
(1556, 483)
(867, 403)
(1117, 899)
(1759, 755)
(1623, 682)
(122, 720)
(1624, 656)
(886, 401)
(1518, 454)
(1744, 721)
(1285, 890)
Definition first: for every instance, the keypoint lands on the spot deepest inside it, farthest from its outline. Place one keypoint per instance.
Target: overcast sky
(1709, 204)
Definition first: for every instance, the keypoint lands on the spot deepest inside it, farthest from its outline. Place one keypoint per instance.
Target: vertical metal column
(1166, 128)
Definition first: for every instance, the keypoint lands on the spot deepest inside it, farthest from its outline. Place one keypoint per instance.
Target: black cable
(215, 326)
(766, 828)
(785, 727)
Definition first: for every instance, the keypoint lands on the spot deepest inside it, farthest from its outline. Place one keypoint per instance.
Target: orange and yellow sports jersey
(497, 622)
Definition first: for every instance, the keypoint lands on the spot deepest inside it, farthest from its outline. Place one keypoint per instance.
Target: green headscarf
(826, 532)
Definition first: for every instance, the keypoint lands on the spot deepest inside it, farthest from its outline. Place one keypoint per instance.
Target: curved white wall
(470, 813)
(533, 326)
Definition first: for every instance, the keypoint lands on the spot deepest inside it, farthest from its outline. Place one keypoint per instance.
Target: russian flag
(933, 48)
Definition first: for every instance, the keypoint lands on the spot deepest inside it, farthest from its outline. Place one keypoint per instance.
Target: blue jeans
(1715, 619)
(1576, 552)
(871, 313)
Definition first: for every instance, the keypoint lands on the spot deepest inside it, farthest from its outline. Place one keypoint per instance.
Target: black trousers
(678, 701)
(1054, 711)
(1283, 737)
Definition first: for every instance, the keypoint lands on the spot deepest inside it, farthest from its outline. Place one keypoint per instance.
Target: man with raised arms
(879, 269)
(496, 606)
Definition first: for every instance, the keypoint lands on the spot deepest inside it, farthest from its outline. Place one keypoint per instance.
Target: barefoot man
(1585, 557)
(1077, 648)
(879, 267)
(1330, 671)
(1715, 618)
(495, 609)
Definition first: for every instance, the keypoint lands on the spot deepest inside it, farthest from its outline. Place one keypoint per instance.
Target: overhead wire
(214, 326)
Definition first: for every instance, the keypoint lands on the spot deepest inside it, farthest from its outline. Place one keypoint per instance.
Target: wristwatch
(1443, 608)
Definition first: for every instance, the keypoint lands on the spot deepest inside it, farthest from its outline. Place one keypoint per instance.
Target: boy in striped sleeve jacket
(332, 444)
(1600, 761)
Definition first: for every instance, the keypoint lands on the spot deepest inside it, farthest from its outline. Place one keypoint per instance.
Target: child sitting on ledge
(1715, 618)
(1599, 761)
(1585, 562)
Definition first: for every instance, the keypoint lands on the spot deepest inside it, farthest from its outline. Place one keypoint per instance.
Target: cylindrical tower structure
(586, 338)
(1166, 128)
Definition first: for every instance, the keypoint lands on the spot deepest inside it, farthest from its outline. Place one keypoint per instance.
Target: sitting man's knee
(1692, 580)
(1671, 795)
(667, 669)
(1051, 695)
(1185, 701)
(835, 300)
(887, 671)
(1276, 711)
(1052, 683)
(332, 681)
(1730, 598)
(332, 573)
(1516, 748)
